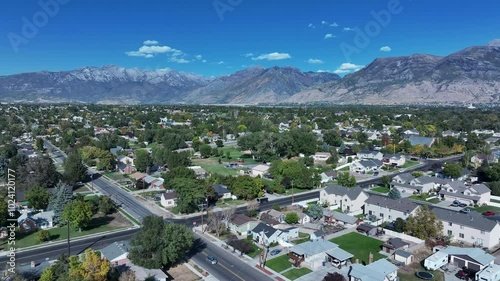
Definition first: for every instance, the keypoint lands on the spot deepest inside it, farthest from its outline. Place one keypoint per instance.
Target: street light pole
(202, 208)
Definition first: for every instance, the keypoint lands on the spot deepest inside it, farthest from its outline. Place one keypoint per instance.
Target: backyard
(279, 264)
(409, 163)
(295, 273)
(423, 197)
(303, 237)
(407, 273)
(381, 189)
(360, 246)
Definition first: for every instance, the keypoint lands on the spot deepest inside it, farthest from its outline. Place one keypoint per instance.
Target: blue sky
(219, 37)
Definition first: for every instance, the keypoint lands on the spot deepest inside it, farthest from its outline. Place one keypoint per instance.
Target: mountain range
(471, 75)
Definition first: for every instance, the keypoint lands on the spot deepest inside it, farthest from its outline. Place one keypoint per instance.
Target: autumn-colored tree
(92, 267)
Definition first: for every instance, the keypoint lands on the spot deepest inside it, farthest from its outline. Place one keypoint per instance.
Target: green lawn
(212, 166)
(115, 176)
(303, 237)
(360, 246)
(279, 264)
(410, 276)
(229, 202)
(423, 197)
(255, 250)
(346, 168)
(409, 163)
(381, 189)
(495, 201)
(295, 273)
(482, 209)
(61, 233)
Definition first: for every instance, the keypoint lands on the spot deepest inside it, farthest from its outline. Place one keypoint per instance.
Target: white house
(241, 223)
(489, 273)
(265, 235)
(321, 156)
(328, 176)
(387, 209)
(168, 199)
(471, 194)
(365, 166)
(221, 191)
(369, 154)
(348, 199)
(42, 220)
(474, 259)
(471, 228)
(304, 218)
(259, 170)
(313, 253)
(394, 160)
(381, 270)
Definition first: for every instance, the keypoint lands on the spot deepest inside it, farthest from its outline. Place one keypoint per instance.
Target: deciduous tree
(143, 160)
(424, 224)
(92, 267)
(38, 197)
(74, 169)
(346, 179)
(291, 218)
(78, 212)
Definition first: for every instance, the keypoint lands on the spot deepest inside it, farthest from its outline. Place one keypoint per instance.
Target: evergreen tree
(62, 195)
(394, 193)
(74, 169)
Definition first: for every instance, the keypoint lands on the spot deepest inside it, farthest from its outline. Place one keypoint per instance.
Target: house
(471, 228)
(367, 229)
(259, 170)
(168, 199)
(419, 140)
(473, 259)
(268, 219)
(266, 235)
(492, 140)
(221, 191)
(403, 256)
(313, 253)
(304, 218)
(318, 234)
(478, 159)
(489, 273)
(115, 150)
(424, 184)
(199, 171)
(403, 178)
(28, 222)
(240, 223)
(411, 132)
(395, 160)
(125, 160)
(276, 215)
(450, 133)
(381, 270)
(365, 166)
(321, 156)
(368, 154)
(126, 168)
(328, 176)
(394, 244)
(387, 209)
(349, 199)
(138, 176)
(471, 194)
(340, 218)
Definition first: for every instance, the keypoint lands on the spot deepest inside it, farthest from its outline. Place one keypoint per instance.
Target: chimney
(370, 258)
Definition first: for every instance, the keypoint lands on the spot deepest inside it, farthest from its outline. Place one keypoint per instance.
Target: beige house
(348, 199)
(241, 223)
(259, 170)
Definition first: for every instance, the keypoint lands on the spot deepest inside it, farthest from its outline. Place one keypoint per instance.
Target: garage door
(458, 262)
(474, 267)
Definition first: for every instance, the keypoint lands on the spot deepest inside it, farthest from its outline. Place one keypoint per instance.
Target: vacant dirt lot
(119, 220)
(182, 273)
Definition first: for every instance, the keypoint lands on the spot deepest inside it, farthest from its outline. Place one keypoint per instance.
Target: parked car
(455, 204)
(462, 205)
(211, 259)
(336, 263)
(465, 211)
(275, 252)
(488, 213)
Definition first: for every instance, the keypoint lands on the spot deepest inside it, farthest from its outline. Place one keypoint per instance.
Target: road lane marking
(236, 275)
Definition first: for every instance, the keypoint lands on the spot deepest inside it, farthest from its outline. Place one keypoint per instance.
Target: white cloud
(273, 56)
(149, 56)
(328, 36)
(198, 57)
(149, 51)
(314, 61)
(334, 24)
(204, 61)
(386, 49)
(150, 42)
(248, 55)
(311, 25)
(178, 60)
(348, 29)
(348, 67)
(221, 62)
(324, 22)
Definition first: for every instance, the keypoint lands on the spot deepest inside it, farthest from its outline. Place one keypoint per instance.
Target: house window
(381, 215)
(450, 224)
(482, 231)
(461, 235)
(389, 216)
(450, 232)
(461, 227)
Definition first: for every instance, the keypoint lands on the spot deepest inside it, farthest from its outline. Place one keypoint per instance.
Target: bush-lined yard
(279, 264)
(360, 246)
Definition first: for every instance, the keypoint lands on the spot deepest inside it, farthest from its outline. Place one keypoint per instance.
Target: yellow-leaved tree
(92, 267)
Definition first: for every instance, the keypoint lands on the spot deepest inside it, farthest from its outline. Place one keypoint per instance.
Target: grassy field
(482, 209)
(229, 202)
(279, 264)
(409, 163)
(97, 224)
(381, 189)
(295, 273)
(360, 246)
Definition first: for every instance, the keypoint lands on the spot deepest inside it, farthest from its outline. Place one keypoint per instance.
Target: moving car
(465, 211)
(488, 213)
(211, 259)
(275, 252)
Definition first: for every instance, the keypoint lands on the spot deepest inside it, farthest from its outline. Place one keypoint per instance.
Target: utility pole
(292, 192)
(203, 208)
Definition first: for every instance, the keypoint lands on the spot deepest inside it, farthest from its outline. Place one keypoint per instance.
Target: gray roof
(406, 177)
(376, 271)
(427, 179)
(402, 205)
(339, 254)
(115, 250)
(345, 218)
(351, 192)
(371, 163)
(314, 247)
(405, 185)
(419, 140)
(268, 230)
(396, 243)
(220, 189)
(402, 253)
(474, 253)
(473, 219)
